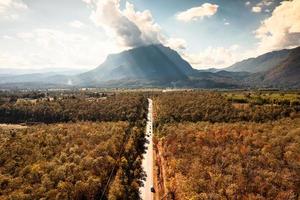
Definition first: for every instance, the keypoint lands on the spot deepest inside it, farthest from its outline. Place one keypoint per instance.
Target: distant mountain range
(261, 63)
(160, 66)
(284, 73)
(21, 71)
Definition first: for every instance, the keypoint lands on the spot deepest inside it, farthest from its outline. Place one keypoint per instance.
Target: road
(147, 164)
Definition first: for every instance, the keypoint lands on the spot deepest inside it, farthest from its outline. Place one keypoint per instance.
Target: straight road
(146, 193)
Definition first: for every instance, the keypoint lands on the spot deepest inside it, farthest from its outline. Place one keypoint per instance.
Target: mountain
(213, 70)
(20, 71)
(153, 63)
(261, 63)
(147, 66)
(37, 78)
(285, 74)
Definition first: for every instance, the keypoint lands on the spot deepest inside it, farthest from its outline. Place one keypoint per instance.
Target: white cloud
(226, 23)
(256, 9)
(150, 31)
(176, 43)
(130, 28)
(267, 11)
(7, 37)
(52, 48)
(5, 5)
(193, 14)
(25, 35)
(76, 24)
(87, 1)
(248, 3)
(10, 60)
(107, 14)
(50, 37)
(10, 9)
(281, 29)
(48, 47)
(218, 57)
(264, 4)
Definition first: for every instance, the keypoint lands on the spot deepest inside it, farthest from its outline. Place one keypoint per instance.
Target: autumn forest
(87, 145)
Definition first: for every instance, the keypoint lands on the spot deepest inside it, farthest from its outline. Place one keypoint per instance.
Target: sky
(79, 34)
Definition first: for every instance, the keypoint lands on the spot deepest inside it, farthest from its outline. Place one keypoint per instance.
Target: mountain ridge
(260, 63)
(283, 74)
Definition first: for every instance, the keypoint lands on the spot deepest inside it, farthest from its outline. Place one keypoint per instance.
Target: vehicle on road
(152, 189)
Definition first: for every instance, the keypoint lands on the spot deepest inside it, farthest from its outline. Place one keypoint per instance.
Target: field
(209, 148)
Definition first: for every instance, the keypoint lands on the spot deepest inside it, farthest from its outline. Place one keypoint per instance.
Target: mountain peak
(153, 62)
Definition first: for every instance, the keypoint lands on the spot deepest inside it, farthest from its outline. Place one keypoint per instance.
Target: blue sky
(79, 34)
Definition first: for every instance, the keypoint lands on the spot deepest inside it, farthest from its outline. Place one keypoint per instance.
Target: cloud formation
(129, 27)
(133, 28)
(108, 15)
(151, 32)
(217, 57)
(76, 24)
(48, 48)
(281, 29)
(176, 43)
(9, 9)
(264, 4)
(6, 5)
(193, 14)
(256, 9)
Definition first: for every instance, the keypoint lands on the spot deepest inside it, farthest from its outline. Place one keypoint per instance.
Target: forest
(69, 161)
(208, 145)
(227, 145)
(120, 107)
(231, 160)
(72, 147)
(217, 107)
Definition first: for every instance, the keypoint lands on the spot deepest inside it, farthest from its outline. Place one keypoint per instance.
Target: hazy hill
(36, 77)
(285, 74)
(261, 63)
(48, 71)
